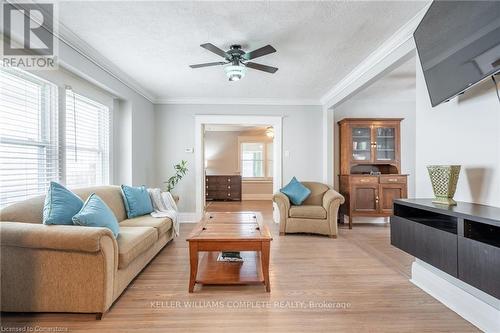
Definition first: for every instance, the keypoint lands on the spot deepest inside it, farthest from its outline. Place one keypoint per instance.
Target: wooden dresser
(223, 187)
(370, 166)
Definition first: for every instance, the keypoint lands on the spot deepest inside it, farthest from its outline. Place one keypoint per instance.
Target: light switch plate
(189, 150)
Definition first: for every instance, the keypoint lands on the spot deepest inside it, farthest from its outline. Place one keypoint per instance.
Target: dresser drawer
(392, 179)
(228, 187)
(364, 180)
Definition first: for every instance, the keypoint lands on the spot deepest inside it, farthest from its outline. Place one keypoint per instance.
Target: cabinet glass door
(361, 144)
(386, 143)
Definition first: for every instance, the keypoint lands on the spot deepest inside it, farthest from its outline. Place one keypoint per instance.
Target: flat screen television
(458, 43)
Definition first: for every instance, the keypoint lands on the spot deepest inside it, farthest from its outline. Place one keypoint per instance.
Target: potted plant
(180, 171)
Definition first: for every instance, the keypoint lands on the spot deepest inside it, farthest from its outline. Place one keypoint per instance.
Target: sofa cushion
(60, 205)
(133, 241)
(95, 213)
(162, 225)
(111, 195)
(137, 201)
(308, 212)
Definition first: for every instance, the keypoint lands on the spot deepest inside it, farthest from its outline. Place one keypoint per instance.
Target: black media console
(462, 240)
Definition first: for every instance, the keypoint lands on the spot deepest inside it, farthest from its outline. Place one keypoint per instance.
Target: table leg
(193, 261)
(264, 258)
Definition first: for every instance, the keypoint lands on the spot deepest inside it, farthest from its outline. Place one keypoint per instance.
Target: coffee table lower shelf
(213, 272)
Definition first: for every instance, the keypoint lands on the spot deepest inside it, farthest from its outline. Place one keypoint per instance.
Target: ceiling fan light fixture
(235, 73)
(270, 132)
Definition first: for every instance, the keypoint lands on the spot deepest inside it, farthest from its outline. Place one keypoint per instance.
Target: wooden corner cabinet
(370, 166)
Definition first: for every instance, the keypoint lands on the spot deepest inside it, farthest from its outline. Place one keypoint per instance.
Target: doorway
(258, 139)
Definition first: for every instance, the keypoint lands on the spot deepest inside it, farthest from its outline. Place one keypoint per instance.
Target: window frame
(265, 158)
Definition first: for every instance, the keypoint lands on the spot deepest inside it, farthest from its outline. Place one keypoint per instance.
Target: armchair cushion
(308, 212)
(296, 192)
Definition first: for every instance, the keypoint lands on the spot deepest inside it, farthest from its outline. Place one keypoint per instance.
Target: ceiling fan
(238, 60)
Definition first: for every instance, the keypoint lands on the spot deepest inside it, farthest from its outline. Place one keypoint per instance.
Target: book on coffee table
(229, 256)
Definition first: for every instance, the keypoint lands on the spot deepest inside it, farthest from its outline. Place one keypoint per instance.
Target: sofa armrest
(54, 237)
(283, 204)
(68, 268)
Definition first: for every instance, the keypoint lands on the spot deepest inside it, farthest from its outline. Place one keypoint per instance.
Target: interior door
(364, 198)
(389, 193)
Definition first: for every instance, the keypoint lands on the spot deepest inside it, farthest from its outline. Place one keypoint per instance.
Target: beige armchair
(317, 215)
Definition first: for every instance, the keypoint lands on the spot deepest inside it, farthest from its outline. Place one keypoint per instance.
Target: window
(87, 141)
(37, 146)
(256, 158)
(252, 159)
(28, 135)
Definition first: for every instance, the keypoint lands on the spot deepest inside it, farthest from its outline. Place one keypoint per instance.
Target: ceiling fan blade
(259, 52)
(208, 64)
(261, 67)
(212, 48)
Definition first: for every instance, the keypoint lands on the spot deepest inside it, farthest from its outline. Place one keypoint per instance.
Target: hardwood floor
(355, 283)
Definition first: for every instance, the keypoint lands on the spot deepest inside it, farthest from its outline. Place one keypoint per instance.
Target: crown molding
(238, 101)
(402, 37)
(68, 37)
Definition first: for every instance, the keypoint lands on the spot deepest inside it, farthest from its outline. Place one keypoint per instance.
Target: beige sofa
(62, 268)
(317, 214)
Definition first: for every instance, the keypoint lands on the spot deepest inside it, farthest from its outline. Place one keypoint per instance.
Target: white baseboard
(188, 218)
(245, 197)
(475, 306)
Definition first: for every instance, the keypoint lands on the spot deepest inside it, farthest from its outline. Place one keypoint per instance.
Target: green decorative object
(180, 171)
(444, 179)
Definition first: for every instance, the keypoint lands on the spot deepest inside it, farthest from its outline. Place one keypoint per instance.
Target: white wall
(221, 152)
(393, 96)
(464, 131)
(302, 133)
(133, 131)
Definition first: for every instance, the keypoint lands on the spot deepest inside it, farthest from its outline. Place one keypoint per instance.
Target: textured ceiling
(317, 43)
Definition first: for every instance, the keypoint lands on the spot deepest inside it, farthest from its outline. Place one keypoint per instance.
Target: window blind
(28, 135)
(86, 141)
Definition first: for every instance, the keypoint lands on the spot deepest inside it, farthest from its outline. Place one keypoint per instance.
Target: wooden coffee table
(216, 232)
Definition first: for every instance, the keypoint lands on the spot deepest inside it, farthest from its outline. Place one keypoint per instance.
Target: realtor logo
(29, 40)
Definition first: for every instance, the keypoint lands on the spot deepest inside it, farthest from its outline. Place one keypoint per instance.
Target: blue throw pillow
(296, 192)
(60, 205)
(137, 201)
(95, 213)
